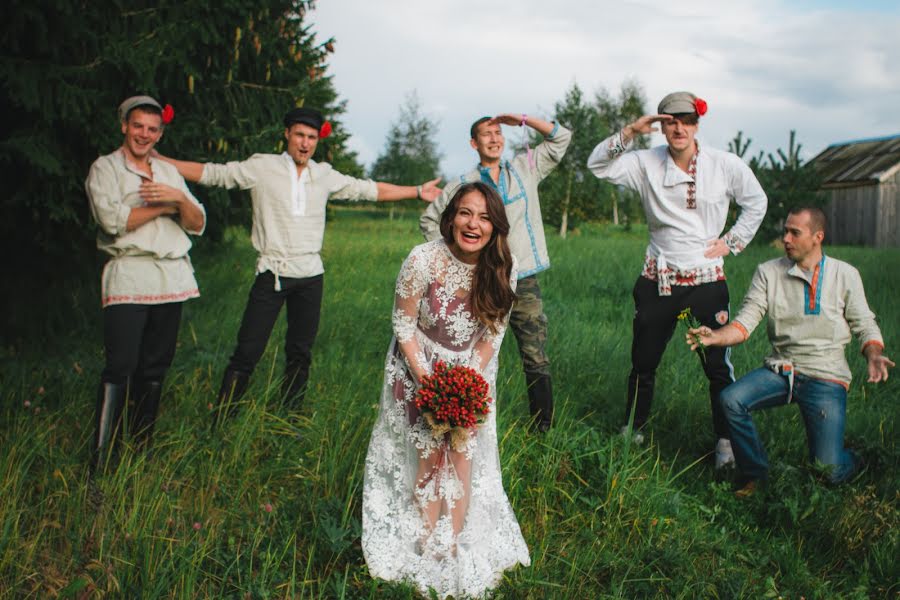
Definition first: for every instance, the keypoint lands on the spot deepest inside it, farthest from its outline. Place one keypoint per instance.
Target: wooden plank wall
(852, 216)
(889, 213)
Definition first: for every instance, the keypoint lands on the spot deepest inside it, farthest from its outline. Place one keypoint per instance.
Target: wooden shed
(862, 180)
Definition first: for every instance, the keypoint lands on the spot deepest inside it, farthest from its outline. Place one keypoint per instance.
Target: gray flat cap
(677, 103)
(130, 103)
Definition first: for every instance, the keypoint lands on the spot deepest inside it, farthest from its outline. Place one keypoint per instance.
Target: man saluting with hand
(686, 189)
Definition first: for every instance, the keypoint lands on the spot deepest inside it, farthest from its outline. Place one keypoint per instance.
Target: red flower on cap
(700, 106)
(325, 130)
(168, 113)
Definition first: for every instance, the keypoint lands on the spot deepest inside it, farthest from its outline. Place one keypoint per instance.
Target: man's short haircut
(817, 219)
(473, 130)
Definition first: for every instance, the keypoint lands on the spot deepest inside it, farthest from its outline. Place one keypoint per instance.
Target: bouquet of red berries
(453, 400)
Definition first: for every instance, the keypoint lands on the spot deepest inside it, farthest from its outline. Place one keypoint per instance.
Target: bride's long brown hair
(492, 295)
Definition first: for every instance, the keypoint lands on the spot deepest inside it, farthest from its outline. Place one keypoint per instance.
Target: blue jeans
(823, 405)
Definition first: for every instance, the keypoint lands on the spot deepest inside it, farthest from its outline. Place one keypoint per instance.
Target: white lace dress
(433, 516)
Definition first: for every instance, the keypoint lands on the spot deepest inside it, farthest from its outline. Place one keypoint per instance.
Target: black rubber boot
(111, 399)
(293, 389)
(146, 395)
(234, 384)
(540, 401)
(640, 395)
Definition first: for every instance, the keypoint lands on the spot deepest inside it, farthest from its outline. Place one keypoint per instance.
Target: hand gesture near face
(507, 119)
(645, 124)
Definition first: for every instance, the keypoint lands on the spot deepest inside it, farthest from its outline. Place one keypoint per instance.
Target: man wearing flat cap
(289, 192)
(145, 213)
(686, 191)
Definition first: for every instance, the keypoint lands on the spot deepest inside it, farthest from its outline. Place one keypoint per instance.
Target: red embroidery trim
(692, 185)
(843, 384)
(873, 343)
(812, 291)
(151, 299)
(686, 277)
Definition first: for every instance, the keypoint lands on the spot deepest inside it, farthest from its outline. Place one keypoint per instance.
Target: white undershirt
(298, 187)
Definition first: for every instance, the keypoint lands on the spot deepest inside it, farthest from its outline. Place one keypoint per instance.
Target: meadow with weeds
(268, 506)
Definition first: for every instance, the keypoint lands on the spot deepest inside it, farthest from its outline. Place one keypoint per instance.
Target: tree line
(571, 195)
(230, 71)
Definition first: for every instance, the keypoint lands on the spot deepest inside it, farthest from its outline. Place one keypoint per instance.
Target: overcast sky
(829, 69)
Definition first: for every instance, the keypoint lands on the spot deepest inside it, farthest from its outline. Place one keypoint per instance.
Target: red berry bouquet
(453, 400)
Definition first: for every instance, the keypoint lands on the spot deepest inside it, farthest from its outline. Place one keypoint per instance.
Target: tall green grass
(269, 505)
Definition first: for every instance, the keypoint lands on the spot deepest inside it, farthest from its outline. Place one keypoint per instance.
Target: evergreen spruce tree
(230, 70)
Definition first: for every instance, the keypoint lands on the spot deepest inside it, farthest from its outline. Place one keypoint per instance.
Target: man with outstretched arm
(517, 182)
(814, 303)
(686, 189)
(289, 192)
(145, 213)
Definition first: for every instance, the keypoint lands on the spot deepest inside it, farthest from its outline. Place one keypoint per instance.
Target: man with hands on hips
(814, 303)
(686, 189)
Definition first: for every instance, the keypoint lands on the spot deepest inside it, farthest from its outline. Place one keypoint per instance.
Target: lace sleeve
(412, 283)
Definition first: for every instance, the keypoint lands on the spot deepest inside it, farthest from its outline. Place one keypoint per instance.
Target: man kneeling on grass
(814, 302)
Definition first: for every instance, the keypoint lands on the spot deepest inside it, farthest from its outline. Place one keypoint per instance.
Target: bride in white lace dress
(433, 516)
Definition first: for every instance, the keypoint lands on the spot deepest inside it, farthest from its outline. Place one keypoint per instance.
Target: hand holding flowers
(695, 333)
(453, 400)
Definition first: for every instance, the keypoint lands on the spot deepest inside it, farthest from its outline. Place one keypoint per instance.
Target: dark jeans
(529, 324)
(823, 405)
(304, 301)
(139, 340)
(655, 318)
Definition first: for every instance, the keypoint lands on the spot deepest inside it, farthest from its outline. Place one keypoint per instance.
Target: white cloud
(765, 67)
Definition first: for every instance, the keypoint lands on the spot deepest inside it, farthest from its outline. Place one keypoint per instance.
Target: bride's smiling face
(472, 227)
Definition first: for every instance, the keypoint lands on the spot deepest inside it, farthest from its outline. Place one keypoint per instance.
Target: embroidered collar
(812, 291)
(501, 186)
(807, 276)
(486, 171)
(674, 176)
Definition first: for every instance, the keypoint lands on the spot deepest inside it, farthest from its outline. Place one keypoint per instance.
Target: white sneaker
(724, 455)
(636, 436)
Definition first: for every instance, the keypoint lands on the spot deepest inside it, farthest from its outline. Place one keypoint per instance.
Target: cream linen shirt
(679, 235)
(518, 187)
(811, 315)
(149, 265)
(288, 211)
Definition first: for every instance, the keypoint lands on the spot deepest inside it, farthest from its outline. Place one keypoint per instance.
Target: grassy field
(269, 508)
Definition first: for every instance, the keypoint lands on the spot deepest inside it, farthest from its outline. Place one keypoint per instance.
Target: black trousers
(304, 302)
(655, 319)
(139, 340)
